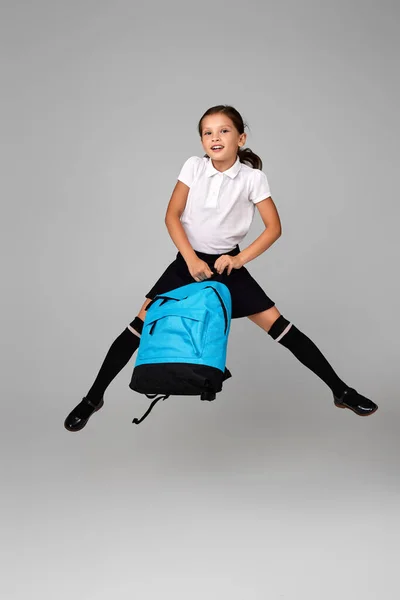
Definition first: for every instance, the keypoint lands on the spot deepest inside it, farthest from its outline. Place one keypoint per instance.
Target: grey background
(269, 492)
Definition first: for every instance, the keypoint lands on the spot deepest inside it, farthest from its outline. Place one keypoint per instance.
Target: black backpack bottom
(179, 379)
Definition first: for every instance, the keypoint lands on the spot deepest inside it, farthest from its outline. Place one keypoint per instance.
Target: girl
(210, 212)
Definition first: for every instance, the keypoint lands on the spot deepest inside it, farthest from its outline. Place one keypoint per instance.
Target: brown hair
(245, 154)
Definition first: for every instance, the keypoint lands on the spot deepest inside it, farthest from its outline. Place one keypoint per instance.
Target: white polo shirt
(220, 206)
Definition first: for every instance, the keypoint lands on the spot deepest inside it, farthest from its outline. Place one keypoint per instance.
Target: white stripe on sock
(133, 330)
(284, 332)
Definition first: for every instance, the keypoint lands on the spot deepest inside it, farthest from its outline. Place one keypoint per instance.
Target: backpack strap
(162, 397)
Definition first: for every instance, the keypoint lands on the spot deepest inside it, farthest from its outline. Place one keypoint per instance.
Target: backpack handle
(215, 274)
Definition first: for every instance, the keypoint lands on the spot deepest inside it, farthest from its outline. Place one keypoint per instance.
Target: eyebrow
(218, 126)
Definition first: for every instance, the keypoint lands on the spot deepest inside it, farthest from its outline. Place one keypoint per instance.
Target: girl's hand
(228, 262)
(199, 269)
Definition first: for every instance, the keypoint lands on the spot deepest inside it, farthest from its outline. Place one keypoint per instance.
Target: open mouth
(217, 148)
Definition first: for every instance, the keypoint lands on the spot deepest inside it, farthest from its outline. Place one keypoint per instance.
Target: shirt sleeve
(260, 187)
(188, 170)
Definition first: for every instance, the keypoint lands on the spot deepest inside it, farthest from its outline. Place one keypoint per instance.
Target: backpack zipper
(223, 306)
(165, 299)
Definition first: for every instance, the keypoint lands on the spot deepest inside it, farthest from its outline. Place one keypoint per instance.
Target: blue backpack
(183, 344)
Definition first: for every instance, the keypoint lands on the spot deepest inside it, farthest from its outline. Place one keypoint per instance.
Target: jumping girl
(210, 212)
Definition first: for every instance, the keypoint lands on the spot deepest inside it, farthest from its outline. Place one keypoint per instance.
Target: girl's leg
(287, 334)
(118, 355)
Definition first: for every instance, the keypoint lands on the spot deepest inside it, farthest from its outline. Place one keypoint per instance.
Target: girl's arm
(175, 228)
(273, 231)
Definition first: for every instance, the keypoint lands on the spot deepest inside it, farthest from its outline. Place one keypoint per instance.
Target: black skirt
(248, 297)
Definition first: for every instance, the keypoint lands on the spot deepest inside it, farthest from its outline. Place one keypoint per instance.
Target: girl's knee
(142, 313)
(266, 318)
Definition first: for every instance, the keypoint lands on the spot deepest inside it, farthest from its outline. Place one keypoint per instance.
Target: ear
(242, 139)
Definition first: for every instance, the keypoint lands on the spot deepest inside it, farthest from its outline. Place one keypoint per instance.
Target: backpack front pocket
(175, 333)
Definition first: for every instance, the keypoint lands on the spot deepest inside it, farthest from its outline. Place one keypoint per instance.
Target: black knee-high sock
(306, 352)
(120, 352)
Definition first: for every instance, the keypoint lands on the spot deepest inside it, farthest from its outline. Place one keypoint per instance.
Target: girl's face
(218, 130)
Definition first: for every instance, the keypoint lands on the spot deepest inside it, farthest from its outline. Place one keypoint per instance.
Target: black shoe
(355, 402)
(78, 418)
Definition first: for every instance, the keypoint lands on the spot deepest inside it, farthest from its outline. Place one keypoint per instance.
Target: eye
(223, 130)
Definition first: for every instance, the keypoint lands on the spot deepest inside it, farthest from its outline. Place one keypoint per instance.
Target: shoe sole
(339, 405)
(86, 422)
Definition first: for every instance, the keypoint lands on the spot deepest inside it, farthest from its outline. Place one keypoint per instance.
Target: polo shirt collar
(231, 172)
